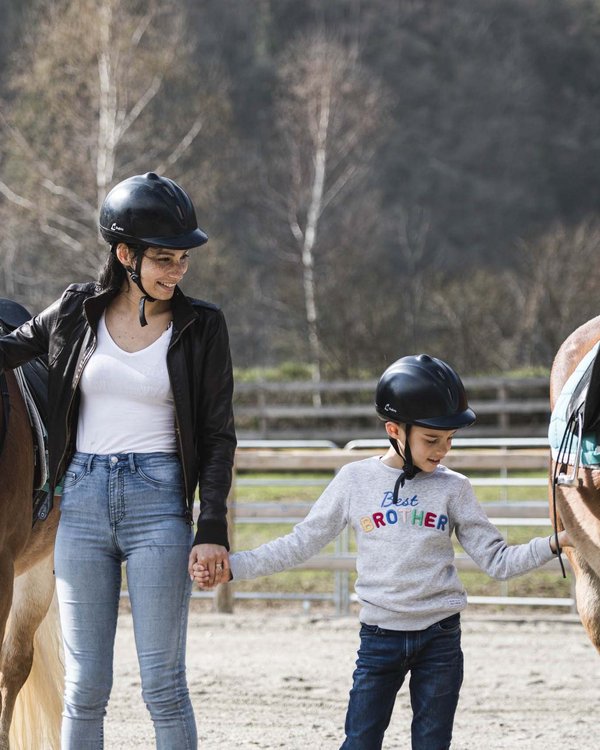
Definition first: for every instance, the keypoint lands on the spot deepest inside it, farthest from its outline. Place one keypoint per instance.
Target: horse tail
(38, 708)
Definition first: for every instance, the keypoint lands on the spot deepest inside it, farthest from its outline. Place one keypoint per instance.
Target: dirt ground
(270, 679)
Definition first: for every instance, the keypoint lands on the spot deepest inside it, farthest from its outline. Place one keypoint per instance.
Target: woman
(140, 391)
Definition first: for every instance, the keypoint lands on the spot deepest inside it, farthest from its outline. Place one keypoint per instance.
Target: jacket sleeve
(216, 441)
(28, 341)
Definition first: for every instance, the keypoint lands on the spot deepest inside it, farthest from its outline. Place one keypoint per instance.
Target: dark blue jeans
(434, 659)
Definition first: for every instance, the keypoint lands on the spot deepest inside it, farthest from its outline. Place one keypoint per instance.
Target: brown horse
(30, 664)
(579, 506)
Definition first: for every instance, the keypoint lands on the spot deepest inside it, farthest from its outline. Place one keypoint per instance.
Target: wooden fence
(342, 410)
(507, 458)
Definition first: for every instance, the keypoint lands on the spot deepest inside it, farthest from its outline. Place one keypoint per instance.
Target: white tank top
(126, 399)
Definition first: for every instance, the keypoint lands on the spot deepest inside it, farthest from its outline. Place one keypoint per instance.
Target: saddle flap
(586, 396)
(13, 314)
(591, 410)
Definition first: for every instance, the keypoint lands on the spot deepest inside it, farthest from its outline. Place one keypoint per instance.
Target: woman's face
(162, 269)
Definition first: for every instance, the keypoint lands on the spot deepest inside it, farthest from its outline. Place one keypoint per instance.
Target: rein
(573, 431)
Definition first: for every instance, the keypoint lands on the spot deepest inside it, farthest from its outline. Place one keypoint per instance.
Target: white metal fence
(509, 458)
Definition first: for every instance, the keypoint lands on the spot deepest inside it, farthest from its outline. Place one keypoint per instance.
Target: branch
(128, 120)
(182, 146)
(66, 193)
(62, 237)
(29, 205)
(16, 199)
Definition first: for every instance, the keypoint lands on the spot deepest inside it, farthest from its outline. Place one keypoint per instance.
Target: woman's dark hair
(114, 274)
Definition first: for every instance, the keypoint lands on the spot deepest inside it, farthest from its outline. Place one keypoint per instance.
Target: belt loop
(90, 462)
(131, 457)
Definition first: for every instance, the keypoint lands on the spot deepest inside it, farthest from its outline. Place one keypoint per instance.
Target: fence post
(503, 416)
(223, 599)
(262, 410)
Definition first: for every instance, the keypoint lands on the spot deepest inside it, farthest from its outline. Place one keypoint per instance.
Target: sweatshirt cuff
(212, 532)
(237, 567)
(543, 550)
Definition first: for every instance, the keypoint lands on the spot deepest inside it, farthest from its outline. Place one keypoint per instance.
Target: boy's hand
(215, 562)
(201, 575)
(563, 539)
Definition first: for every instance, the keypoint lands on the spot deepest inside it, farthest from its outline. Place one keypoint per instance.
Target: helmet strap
(136, 277)
(409, 470)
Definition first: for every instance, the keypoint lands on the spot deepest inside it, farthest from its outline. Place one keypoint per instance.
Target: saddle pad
(590, 448)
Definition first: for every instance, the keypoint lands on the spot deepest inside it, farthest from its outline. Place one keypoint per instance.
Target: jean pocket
(368, 629)
(162, 474)
(449, 624)
(73, 475)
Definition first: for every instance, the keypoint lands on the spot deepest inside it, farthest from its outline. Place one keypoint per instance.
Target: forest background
(377, 177)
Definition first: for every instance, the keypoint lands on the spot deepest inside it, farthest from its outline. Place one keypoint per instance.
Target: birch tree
(93, 102)
(327, 118)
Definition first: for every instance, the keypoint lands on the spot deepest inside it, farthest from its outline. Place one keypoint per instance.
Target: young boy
(404, 508)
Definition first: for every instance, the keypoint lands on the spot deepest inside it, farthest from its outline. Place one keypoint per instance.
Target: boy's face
(428, 446)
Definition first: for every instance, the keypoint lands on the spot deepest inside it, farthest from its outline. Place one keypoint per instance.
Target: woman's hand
(212, 561)
(202, 575)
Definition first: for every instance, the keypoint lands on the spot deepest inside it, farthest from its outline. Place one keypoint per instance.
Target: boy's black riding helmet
(425, 391)
(150, 210)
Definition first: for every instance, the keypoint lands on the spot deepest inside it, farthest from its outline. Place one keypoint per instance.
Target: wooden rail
(270, 410)
(533, 459)
(501, 461)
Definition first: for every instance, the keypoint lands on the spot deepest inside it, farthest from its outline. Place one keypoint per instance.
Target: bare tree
(328, 114)
(91, 104)
(477, 318)
(558, 288)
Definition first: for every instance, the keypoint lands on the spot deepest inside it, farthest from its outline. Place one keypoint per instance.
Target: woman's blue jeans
(435, 661)
(115, 509)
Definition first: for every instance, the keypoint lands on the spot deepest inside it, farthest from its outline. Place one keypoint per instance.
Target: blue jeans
(435, 661)
(128, 509)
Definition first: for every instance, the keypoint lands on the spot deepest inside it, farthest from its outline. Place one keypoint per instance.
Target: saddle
(586, 396)
(32, 379)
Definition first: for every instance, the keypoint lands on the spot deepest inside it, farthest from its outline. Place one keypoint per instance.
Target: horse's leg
(587, 593)
(32, 595)
(6, 593)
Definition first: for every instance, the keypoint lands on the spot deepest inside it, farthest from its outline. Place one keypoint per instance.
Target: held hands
(201, 575)
(208, 565)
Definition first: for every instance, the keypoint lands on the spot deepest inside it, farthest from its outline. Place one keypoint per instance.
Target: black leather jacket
(199, 365)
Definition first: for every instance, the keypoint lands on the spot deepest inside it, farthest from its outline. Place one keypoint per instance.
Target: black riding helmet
(424, 391)
(149, 211)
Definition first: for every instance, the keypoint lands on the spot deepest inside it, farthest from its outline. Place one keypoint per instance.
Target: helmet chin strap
(136, 277)
(409, 470)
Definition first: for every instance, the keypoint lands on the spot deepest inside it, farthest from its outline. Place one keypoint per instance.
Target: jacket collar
(96, 304)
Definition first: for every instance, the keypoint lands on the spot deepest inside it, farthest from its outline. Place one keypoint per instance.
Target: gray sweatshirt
(407, 579)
